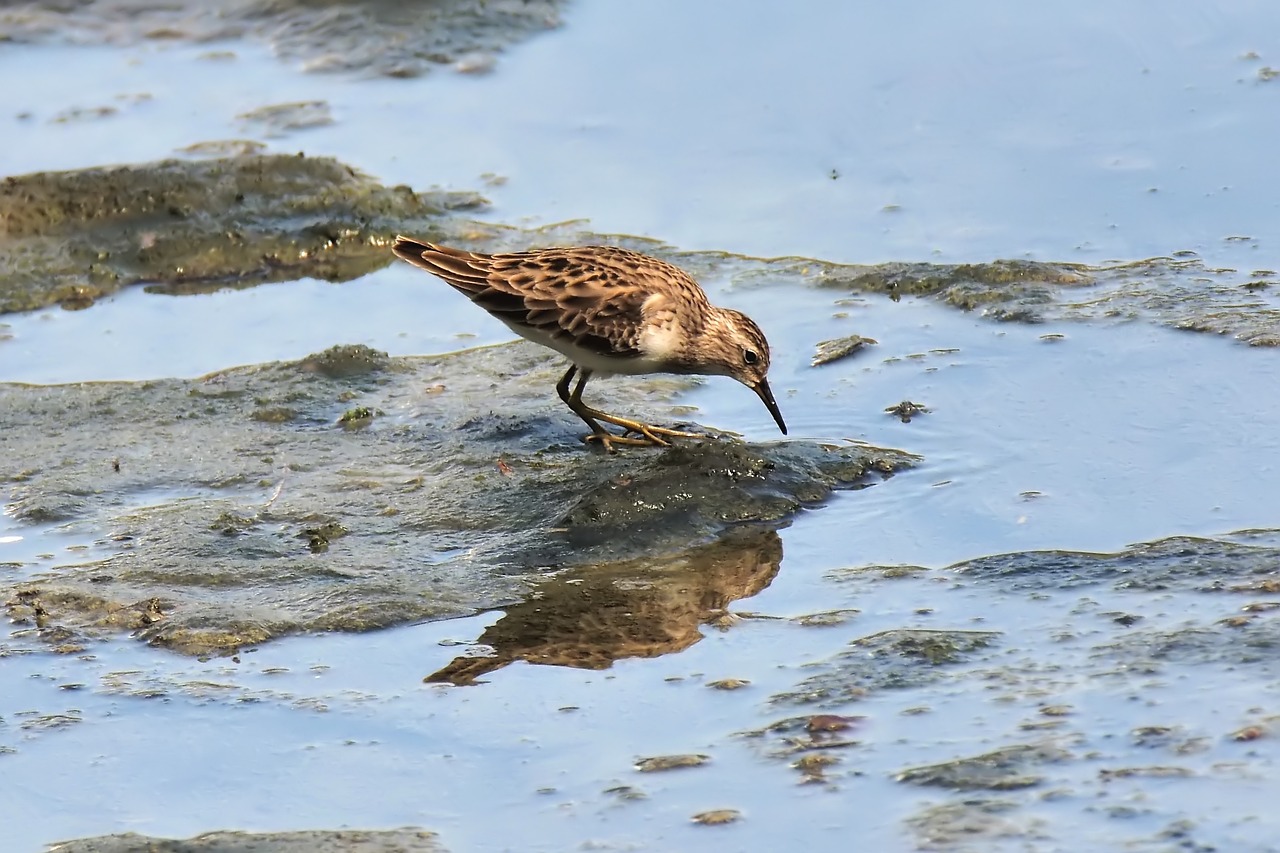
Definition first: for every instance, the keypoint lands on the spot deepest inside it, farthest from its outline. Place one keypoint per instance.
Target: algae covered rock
(72, 237)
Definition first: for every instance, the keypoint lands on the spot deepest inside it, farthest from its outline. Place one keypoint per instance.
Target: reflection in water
(590, 616)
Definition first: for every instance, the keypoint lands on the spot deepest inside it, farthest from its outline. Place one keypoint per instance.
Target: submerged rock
(890, 660)
(1004, 769)
(238, 507)
(974, 823)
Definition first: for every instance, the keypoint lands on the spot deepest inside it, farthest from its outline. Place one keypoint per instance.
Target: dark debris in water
(808, 736)
(223, 527)
(716, 817)
(906, 410)
(834, 350)
(661, 763)
(276, 120)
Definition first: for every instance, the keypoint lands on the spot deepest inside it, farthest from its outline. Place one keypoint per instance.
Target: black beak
(769, 403)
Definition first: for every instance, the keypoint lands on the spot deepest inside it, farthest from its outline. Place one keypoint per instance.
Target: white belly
(598, 363)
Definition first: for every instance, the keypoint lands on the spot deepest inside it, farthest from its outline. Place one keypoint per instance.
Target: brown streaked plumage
(609, 310)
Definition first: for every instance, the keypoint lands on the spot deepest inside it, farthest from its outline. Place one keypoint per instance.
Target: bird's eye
(750, 356)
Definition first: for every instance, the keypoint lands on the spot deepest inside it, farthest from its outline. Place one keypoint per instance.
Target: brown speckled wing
(593, 295)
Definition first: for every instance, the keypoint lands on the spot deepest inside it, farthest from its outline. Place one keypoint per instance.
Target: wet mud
(386, 38)
(251, 504)
(1179, 292)
(309, 841)
(1039, 699)
(190, 226)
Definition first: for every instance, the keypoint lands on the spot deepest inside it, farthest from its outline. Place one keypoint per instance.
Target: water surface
(845, 132)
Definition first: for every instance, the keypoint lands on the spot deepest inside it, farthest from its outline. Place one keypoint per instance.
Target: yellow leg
(653, 436)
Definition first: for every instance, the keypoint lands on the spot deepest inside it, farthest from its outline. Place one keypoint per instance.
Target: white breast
(661, 341)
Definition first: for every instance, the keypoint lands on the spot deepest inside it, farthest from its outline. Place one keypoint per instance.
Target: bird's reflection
(590, 616)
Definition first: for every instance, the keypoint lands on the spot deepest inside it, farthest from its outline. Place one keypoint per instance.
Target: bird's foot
(637, 435)
(607, 440)
(634, 433)
(653, 432)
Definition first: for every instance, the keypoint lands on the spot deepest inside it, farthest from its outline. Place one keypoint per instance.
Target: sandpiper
(609, 310)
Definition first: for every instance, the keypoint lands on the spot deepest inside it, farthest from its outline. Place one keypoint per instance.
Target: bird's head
(734, 346)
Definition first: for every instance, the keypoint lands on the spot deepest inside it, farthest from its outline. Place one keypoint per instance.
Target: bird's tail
(411, 250)
(466, 271)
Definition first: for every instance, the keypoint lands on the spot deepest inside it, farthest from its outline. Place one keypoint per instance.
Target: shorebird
(608, 310)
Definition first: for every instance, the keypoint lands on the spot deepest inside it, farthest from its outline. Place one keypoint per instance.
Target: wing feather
(594, 295)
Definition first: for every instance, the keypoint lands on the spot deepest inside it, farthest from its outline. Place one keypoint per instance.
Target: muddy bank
(378, 37)
(349, 491)
(1249, 564)
(1178, 292)
(311, 841)
(72, 237)
(194, 226)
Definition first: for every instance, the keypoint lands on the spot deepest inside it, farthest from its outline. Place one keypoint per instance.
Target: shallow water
(988, 131)
(1069, 132)
(309, 719)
